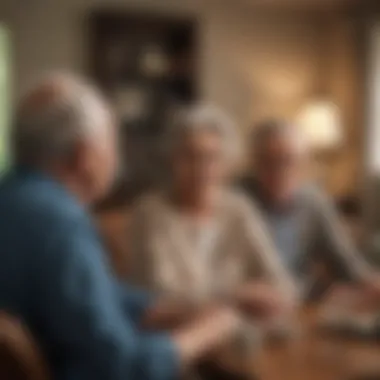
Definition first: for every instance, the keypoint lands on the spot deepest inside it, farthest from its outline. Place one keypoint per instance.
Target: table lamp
(320, 123)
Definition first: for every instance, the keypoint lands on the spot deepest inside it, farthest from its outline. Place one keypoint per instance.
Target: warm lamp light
(321, 124)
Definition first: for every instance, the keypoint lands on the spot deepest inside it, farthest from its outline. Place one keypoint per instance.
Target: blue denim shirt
(54, 274)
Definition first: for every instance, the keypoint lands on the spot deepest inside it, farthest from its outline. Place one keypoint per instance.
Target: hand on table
(371, 286)
(362, 297)
(169, 314)
(262, 300)
(198, 330)
(206, 332)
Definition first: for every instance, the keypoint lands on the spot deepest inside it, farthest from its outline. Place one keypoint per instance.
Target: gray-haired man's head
(64, 125)
(278, 152)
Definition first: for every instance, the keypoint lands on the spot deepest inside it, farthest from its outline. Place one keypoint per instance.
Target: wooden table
(310, 356)
(314, 356)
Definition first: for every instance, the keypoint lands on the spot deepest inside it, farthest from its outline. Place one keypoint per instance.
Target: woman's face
(199, 162)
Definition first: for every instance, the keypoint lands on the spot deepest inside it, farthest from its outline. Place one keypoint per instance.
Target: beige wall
(345, 84)
(252, 64)
(259, 64)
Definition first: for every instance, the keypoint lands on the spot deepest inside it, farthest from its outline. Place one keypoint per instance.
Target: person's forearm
(168, 314)
(268, 264)
(351, 261)
(205, 333)
(259, 299)
(337, 242)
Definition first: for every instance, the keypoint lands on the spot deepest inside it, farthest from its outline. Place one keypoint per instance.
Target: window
(373, 134)
(4, 98)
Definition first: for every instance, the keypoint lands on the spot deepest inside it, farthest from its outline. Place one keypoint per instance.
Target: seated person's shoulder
(240, 204)
(56, 210)
(314, 197)
(246, 184)
(39, 206)
(149, 204)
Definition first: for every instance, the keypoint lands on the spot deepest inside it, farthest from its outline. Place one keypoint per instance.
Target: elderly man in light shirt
(302, 220)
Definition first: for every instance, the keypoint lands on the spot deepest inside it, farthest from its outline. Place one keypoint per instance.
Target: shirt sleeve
(136, 302)
(263, 257)
(333, 240)
(84, 317)
(142, 265)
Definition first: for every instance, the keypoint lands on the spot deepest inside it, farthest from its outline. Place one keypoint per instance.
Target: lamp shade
(321, 124)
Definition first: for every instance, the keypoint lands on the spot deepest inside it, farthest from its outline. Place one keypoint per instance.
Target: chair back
(20, 356)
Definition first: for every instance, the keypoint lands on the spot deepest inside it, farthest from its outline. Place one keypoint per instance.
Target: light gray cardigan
(165, 260)
(322, 236)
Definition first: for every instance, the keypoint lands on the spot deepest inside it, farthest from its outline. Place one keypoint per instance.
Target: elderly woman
(196, 239)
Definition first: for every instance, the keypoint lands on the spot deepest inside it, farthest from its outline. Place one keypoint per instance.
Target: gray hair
(55, 114)
(200, 118)
(267, 129)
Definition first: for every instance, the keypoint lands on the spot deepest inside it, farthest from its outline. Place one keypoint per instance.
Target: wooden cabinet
(146, 65)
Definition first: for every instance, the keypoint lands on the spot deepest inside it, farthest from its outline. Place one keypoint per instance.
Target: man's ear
(78, 158)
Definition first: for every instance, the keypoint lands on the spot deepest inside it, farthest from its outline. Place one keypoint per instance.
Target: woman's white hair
(203, 118)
